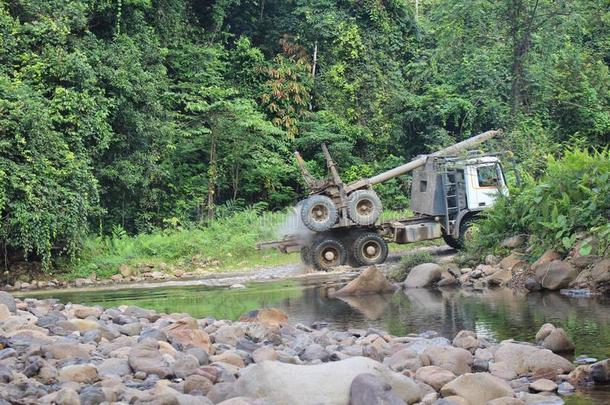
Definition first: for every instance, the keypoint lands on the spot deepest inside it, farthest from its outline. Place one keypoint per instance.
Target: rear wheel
(306, 255)
(369, 249)
(319, 213)
(364, 207)
(327, 253)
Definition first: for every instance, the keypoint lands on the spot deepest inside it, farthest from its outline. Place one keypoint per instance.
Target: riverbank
(70, 353)
(161, 274)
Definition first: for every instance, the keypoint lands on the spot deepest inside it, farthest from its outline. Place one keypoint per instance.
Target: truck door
(484, 182)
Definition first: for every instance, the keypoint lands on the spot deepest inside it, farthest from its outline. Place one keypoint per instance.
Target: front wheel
(327, 253)
(467, 227)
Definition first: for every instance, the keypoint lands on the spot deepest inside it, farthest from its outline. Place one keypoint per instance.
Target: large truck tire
(328, 252)
(369, 249)
(319, 213)
(305, 254)
(364, 207)
(465, 227)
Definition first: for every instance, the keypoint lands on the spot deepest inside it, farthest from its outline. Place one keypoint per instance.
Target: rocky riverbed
(71, 354)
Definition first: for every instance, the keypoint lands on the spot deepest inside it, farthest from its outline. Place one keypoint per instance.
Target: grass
(225, 244)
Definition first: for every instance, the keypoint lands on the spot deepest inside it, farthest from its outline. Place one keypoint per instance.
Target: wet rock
(92, 336)
(543, 385)
(66, 350)
(512, 360)
(6, 375)
(368, 389)
(454, 359)
(583, 359)
(370, 281)
(145, 357)
(513, 263)
(80, 373)
(4, 312)
(601, 273)
(405, 359)
(477, 388)
(540, 399)
(452, 400)
(197, 385)
(583, 262)
(131, 329)
(83, 325)
(264, 354)
(500, 278)
(531, 284)
(222, 392)
(547, 257)
(201, 355)
(506, 401)
(114, 366)
(544, 331)
(434, 376)
(565, 388)
(270, 317)
(314, 352)
(600, 371)
(8, 300)
(558, 342)
(466, 339)
(67, 396)
(229, 357)
(154, 334)
(580, 375)
(420, 345)
(555, 275)
(186, 333)
(323, 383)
(83, 312)
(229, 334)
(92, 396)
(423, 275)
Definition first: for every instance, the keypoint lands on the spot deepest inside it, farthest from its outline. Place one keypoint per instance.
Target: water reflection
(496, 314)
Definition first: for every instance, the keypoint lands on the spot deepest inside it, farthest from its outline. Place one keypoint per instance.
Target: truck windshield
(488, 176)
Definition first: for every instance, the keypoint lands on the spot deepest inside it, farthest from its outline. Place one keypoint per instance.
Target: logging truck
(340, 224)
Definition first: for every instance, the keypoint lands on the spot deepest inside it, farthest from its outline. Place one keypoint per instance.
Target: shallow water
(495, 314)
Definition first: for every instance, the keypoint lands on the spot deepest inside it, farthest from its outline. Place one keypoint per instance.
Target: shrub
(571, 197)
(399, 272)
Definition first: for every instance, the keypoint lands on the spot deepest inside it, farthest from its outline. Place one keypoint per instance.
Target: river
(495, 314)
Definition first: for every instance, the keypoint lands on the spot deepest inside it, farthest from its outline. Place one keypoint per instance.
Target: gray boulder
(8, 300)
(477, 388)
(145, 356)
(370, 281)
(327, 383)
(555, 275)
(423, 275)
(368, 389)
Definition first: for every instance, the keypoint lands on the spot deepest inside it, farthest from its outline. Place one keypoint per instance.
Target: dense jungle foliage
(142, 115)
(568, 202)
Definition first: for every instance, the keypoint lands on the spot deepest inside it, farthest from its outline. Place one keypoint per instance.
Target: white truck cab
(483, 182)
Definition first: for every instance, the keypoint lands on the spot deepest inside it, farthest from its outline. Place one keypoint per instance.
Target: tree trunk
(212, 176)
(521, 32)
